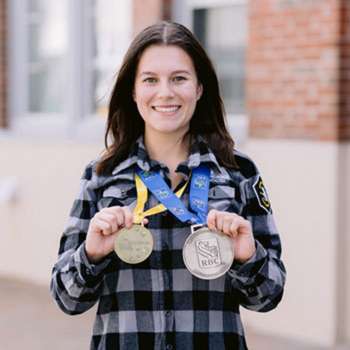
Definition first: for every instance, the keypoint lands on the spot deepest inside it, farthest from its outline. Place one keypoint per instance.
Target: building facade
(284, 69)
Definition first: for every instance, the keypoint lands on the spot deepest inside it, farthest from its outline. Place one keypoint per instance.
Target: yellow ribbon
(142, 194)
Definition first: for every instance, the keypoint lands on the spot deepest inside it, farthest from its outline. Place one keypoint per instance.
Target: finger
(128, 217)
(244, 227)
(211, 219)
(234, 228)
(111, 219)
(145, 221)
(104, 227)
(219, 222)
(119, 216)
(227, 221)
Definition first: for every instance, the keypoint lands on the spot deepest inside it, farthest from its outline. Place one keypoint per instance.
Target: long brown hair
(124, 123)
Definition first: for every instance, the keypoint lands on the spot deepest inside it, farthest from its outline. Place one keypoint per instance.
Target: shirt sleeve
(76, 283)
(259, 282)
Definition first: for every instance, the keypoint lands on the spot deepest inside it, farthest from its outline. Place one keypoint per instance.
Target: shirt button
(251, 290)
(169, 347)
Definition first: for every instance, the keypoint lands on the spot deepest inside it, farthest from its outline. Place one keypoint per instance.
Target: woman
(166, 126)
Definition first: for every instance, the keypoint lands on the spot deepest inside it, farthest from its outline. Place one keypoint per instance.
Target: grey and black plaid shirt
(158, 304)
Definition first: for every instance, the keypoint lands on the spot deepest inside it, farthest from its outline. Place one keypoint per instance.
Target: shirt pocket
(224, 196)
(123, 194)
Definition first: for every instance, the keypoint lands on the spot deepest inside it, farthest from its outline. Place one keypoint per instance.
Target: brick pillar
(293, 69)
(3, 77)
(147, 12)
(344, 72)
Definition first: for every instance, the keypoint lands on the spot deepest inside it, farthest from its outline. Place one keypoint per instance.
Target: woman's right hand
(102, 231)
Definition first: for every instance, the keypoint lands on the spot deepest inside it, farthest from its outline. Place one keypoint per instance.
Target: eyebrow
(174, 72)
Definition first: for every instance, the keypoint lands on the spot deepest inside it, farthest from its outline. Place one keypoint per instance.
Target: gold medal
(134, 245)
(207, 254)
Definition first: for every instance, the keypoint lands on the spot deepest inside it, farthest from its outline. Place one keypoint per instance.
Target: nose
(165, 89)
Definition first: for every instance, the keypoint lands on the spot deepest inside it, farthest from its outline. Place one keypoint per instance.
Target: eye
(149, 80)
(179, 78)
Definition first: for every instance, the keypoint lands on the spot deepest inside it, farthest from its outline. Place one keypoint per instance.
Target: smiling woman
(166, 91)
(168, 232)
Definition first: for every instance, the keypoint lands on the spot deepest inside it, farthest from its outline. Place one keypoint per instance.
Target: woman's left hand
(236, 227)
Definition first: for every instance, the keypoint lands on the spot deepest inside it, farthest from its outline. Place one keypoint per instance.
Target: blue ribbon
(198, 199)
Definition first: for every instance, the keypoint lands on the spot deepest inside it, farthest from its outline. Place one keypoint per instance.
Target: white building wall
(47, 175)
(302, 179)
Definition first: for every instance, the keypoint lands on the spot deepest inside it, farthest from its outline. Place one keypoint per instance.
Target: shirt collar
(200, 153)
(137, 156)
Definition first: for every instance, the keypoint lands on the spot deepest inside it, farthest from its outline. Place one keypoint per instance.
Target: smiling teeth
(166, 109)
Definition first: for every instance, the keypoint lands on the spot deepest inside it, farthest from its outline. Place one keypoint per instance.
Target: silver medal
(207, 254)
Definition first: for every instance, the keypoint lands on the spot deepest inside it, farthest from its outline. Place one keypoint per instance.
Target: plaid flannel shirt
(158, 304)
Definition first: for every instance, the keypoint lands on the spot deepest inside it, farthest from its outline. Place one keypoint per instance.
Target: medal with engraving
(135, 244)
(207, 254)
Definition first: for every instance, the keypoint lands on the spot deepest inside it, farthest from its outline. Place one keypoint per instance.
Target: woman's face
(166, 90)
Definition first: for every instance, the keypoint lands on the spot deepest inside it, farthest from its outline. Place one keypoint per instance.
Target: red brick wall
(293, 69)
(344, 72)
(147, 12)
(3, 64)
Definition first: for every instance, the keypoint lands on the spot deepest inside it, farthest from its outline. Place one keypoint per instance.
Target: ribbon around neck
(198, 198)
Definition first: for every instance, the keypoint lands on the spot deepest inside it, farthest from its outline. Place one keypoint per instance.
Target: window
(47, 49)
(222, 31)
(111, 36)
(63, 59)
(221, 27)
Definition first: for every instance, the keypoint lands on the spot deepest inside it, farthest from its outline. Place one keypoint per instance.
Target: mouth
(167, 108)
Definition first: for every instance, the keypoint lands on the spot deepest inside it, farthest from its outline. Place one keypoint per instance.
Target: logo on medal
(200, 182)
(125, 244)
(208, 253)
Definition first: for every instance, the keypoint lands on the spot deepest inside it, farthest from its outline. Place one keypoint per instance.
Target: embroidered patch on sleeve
(261, 195)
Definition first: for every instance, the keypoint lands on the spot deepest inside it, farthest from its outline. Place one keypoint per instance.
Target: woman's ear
(199, 91)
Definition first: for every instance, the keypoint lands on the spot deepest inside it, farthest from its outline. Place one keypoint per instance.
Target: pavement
(29, 319)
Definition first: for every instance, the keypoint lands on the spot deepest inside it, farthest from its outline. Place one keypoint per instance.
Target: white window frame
(74, 123)
(183, 12)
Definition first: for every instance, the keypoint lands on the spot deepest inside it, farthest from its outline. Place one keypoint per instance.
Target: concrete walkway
(29, 319)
